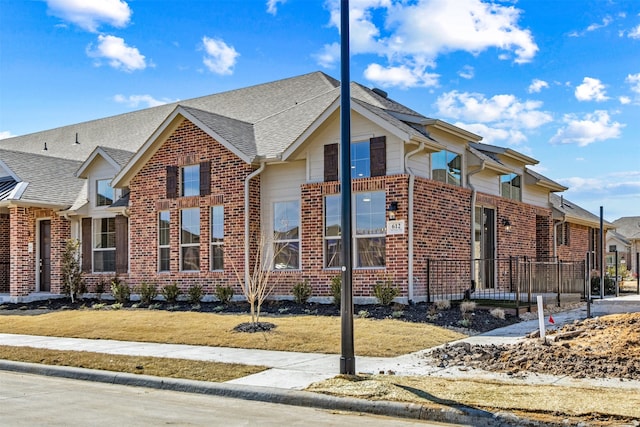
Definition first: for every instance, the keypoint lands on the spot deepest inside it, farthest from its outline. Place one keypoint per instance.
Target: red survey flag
(551, 320)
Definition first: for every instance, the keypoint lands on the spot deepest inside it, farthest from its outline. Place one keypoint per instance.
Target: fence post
(559, 277)
(587, 286)
(428, 280)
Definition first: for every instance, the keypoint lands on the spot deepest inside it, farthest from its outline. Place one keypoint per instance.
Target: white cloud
(117, 53)
(492, 135)
(411, 35)
(591, 90)
(634, 33)
(592, 127)
(467, 72)
(634, 82)
(272, 6)
(624, 100)
(89, 15)
(328, 56)
(504, 111)
(5, 134)
(220, 58)
(401, 76)
(138, 100)
(537, 85)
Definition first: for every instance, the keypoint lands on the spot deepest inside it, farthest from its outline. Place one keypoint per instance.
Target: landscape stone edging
(458, 415)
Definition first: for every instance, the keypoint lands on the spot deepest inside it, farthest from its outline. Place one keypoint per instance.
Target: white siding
(99, 169)
(535, 195)
(361, 130)
(486, 182)
(279, 183)
(420, 164)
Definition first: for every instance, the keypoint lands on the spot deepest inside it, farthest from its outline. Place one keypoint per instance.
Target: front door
(45, 256)
(485, 247)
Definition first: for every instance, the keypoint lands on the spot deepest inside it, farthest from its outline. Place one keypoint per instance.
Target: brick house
(178, 194)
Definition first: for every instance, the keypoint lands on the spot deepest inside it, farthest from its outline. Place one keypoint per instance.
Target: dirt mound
(603, 347)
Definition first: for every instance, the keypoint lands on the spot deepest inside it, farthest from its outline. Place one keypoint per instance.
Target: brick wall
(4, 253)
(148, 196)
(578, 244)
(22, 232)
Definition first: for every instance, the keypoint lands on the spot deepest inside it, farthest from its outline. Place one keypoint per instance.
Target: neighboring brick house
(179, 193)
(629, 228)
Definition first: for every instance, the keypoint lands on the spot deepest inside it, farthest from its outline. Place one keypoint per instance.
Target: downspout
(555, 229)
(246, 220)
(412, 179)
(474, 194)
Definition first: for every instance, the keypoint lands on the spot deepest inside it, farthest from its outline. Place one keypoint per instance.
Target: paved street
(29, 400)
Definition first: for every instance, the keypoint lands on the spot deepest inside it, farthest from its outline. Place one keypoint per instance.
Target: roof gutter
(247, 206)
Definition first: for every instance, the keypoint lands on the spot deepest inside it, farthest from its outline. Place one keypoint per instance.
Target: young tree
(72, 281)
(258, 283)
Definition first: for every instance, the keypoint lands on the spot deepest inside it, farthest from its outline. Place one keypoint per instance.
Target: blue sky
(558, 80)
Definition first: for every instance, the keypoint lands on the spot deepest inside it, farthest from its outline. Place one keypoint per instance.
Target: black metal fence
(518, 280)
(4, 277)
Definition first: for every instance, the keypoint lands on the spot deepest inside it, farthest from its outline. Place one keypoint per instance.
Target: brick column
(22, 272)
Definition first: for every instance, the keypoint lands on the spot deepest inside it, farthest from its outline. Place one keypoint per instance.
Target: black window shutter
(205, 178)
(122, 244)
(331, 162)
(86, 245)
(172, 182)
(378, 152)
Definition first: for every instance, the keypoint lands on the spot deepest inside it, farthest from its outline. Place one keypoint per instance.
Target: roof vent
(77, 142)
(379, 92)
(45, 147)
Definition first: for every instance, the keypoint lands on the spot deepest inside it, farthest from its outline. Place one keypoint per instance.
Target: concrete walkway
(290, 371)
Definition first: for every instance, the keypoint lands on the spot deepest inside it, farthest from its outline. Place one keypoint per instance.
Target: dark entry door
(45, 256)
(485, 247)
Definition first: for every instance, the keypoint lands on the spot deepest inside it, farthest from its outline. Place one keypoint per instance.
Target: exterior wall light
(507, 224)
(393, 208)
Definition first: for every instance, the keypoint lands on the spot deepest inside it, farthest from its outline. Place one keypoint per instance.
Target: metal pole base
(348, 365)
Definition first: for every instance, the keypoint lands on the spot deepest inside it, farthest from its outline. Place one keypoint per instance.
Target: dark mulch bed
(481, 320)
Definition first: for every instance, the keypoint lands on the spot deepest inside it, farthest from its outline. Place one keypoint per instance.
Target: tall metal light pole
(347, 360)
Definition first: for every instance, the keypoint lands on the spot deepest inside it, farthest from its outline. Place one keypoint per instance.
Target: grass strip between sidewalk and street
(307, 334)
(157, 366)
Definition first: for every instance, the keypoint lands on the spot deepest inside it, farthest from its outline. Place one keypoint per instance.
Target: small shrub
(363, 314)
(171, 293)
(224, 294)
(101, 286)
(218, 308)
(464, 322)
(301, 292)
(385, 292)
(116, 306)
(336, 289)
(195, 294)
(148, 292)
(467, 307)
(72, 282)
(155, 306)
(397, 314)
(498, 313)
(283, 310)
(442, 304)
(120, 290)
(98, 306)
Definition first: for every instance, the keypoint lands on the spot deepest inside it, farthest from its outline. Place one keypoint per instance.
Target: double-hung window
(190, 181)
(286, 235)
(360, 160)
(104, 245)
(370, 229)
(510, 186)
(446, 167)
(164, 249)
(217, 238)
(332, 231)
(104, 193)
(190, 239)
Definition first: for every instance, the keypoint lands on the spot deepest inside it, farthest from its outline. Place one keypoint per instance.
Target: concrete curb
(455, 414)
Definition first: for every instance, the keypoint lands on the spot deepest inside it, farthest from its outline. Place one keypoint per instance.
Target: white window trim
(213, 244)
(182, 181)
(275, 241)
(189, 245)
(324, 231)
(167, 246)
(94, 220)
(356, 236)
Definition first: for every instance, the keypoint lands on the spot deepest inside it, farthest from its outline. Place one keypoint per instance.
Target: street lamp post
(347, 360)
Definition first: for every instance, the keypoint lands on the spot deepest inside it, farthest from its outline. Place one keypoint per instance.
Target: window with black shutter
(205, 178)
(122, 244)
(86, 245)
(378, 150)
(172, 182)
(331, 162)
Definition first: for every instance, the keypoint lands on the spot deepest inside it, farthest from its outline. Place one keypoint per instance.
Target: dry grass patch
(157, 366)
(550, 403)
(314, 334)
